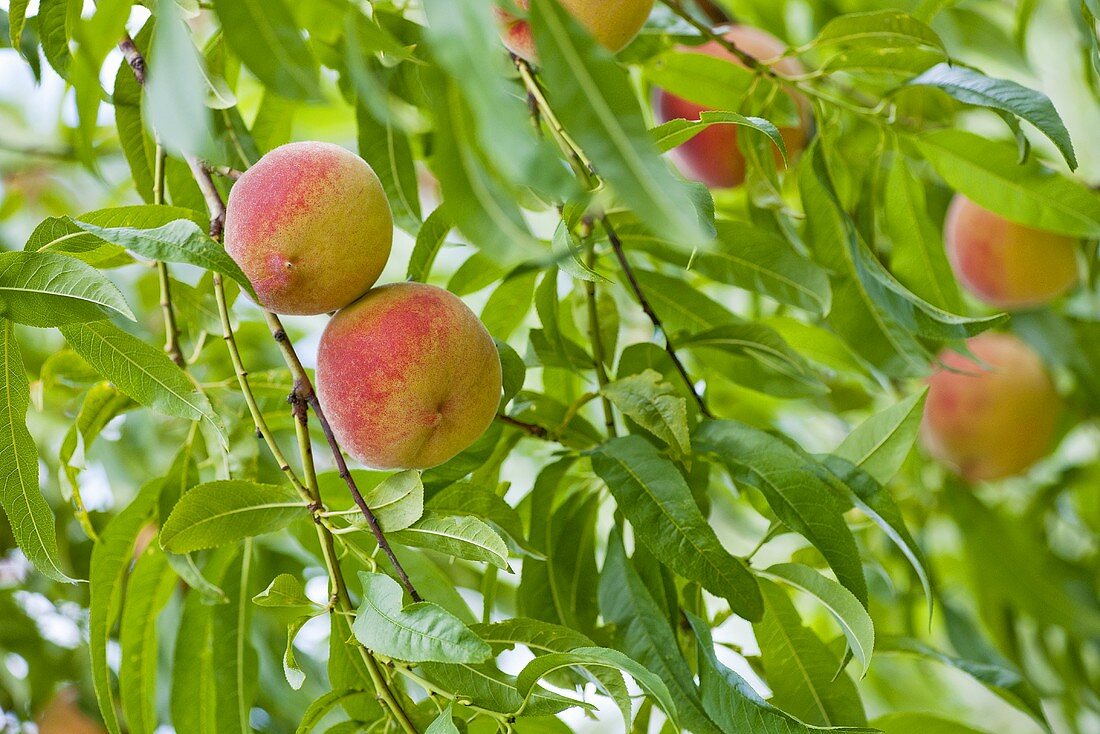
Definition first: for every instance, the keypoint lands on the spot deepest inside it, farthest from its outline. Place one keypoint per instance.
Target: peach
(408, 376)
(1005, 264)
(612, 24)
(991, 419)
(310, 227)
(712, 157)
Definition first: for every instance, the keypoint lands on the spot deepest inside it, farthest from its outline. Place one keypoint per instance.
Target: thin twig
(133, 58)
(226, 171)
(529, 428)
(171, 328)
(744, 57)
(617, 248)
(598, 354)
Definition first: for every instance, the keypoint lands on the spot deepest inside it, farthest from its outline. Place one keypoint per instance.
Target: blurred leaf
(988, 173)
(880, 444)
(47, 289)
(443, 724)
(55, 29)
(678, 131)
(28, 514)
(509, 304)
(226, 511)
(717, 83)
(417, 633)
(973, 87)
(320, 708)
(917, 257)
(429, 240)
(653, 495)
(234, 658)
(387, 150)
(17, 15)
(593, 98)
(879, 29)
(175, 85)
(1003, 681)
(913, 722)
(265, 37)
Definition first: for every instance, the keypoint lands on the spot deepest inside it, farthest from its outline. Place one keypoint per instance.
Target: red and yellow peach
(408, 376)
(310, 226)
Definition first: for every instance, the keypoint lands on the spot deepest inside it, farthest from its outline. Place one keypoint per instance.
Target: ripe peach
(310, 226)
(994, 419)
(408, 376)
(712, 157)
(1005, 264)
(612, 24)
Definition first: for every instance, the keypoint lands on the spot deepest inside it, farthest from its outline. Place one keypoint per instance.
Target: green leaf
(285, 590)
(397, 501)
(235, 659)
(915, 722)
(176, 84)
(841, 603)
(464, 498)
(509, 304)
(988, 173)
(733, 703)
(30, 517)
(713, 82)
(790, 484)
(55, 29)
(593, 98)
(459, 536)
(877, 504)
(266, 38)
(181, 241)
(490, 689)
(917, 256)
(652, 403)
(387, 150)
(47, 289)
(678, 131)
(17, 16)
(143, 372)
(748, 257)
(111, 557)
(650, 491)
(482, 208)
(443, 723)
(320, 708)
(149, 588)
(879, 29)
(1002, 680)
(758, 358)
(459, 34)
(973, 87)
(429, 240)
(880, 443)
(226, 511)
(293, 673)
(801, 669)
(589, 657)
(643, 632)
(417, 633)
(870, 297)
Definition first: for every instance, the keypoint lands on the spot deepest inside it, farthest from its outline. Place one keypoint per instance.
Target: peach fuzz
(408, 376)
(1005, 264)
(612, 24)
(993, 418)
(310, 226)
(712, 157)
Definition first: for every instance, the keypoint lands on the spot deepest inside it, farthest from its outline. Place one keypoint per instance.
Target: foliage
(700, 507)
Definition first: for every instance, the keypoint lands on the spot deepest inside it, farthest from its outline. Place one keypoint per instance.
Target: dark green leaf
(226, 511)
(48, 289)
(268, 41)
